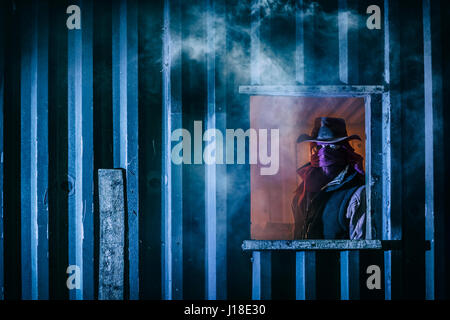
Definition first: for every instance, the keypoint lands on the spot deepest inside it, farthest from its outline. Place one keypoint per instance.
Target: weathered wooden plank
(429, 152)
(305, 275)
(166, 196)
(210, 169)
(172, 195)
(392, 211)
(349, 262)
(255, 45)
(300, 276)
(215, 253)
(28, 157)
(300, 245)
(42, 151)
(328, 90)
(343, 23)
(374, 169)
(112, 234)
(299, 43)
(221, 219)
(80, 153)
(261, 275)
(439, 164)
(34, 152)
(221, 102)
(125, 122)
(386, 137)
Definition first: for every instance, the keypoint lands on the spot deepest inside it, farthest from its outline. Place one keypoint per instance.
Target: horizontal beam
(300, 245)
(347, 91)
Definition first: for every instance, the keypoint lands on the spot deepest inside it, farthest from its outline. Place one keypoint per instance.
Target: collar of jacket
(342, 178)
(346, 175)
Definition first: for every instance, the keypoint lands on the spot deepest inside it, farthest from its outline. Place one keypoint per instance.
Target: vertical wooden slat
(80, 152)
(368, 166)
(74, 84)
(210, 169)
(34, 152)
(386, 138)
(87, 151)
(343, 22)
(386, 190)
(349, 261)
(215, 211)
(261, 273)
(439, 164)
(305, 270)
(221, 102)
(375, 172)
(300, 43)
(125, 123)
(255, 46)
(300, 280)
(172, 200)
(177, 189)
(166, 221)
(2, 81)
(261, 261)
(429, 152)
(132, 145)
(392, 213)
(42, 152)
(386, 132)
(28, 154)
(221, 219)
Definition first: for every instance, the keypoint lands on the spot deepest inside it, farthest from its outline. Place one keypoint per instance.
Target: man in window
(330, 203)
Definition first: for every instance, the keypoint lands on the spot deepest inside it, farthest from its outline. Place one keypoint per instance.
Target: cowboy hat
(327, 130)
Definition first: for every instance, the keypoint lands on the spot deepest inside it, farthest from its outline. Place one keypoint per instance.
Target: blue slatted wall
(221, 259)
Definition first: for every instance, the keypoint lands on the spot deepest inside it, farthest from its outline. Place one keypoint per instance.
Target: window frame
(377, 150)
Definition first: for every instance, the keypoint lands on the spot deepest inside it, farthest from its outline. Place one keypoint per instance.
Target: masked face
(328, 155)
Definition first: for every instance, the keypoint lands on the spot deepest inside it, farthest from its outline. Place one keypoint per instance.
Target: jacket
(337, 211)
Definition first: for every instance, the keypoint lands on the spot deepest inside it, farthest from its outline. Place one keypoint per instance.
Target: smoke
(227, 33)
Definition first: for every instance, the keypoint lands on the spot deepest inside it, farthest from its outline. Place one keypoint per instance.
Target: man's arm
(356, 214)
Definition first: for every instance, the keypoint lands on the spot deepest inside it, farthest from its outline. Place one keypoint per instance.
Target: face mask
(327, 155)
